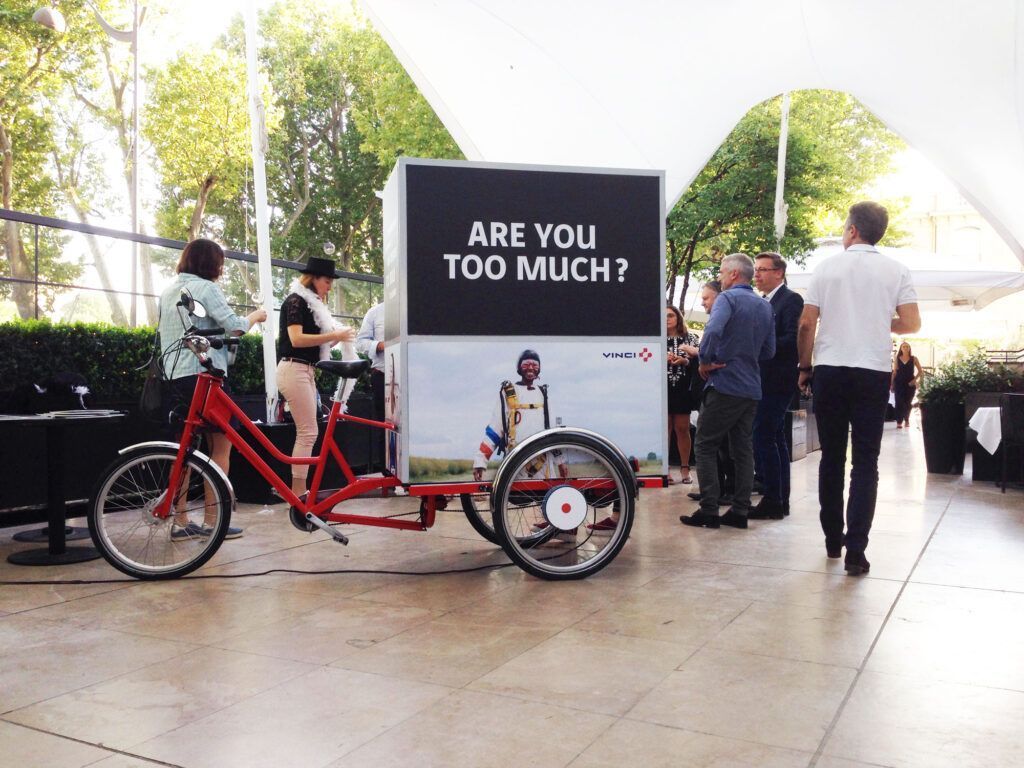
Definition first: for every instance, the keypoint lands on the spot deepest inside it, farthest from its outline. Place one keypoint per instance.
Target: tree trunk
(197, 213)
(690, 248)
(117, 315)
(22, 293)
(673, 271)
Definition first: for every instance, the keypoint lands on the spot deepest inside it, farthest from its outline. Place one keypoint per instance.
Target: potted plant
(943, 421)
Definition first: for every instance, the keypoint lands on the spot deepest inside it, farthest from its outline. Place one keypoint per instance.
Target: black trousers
(849, 405)
(904, 398)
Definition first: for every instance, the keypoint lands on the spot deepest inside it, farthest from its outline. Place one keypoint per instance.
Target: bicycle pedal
(335, 534)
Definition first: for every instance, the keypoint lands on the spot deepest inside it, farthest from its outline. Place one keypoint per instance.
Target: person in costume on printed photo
(522, 410)
(308, 331)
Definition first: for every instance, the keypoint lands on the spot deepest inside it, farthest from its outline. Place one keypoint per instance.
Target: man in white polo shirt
(855, 302)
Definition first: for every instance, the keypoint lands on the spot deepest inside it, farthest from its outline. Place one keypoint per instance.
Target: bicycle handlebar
(220, 343)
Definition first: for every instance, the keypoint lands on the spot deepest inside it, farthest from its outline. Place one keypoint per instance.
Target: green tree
(35, 66)
(105, 93)
(333, 78)
(391, 112)
(196, 118)
(322, 183)
(341, 110)
(835, 148)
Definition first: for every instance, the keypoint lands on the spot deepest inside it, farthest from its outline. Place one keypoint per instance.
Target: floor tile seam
(855, 612)
(83, 742)
(112, 626)
(745, 565)
(622, 635)
(217, 710)
(579, 621)
(193, 649)
(62, 602)
(190, 648)
(543, 702)
(315, 664)
(712, 637)
(715, 735)
(788, 570)
(762, 655)
(386, 731)
(871, 649)
(932, 679)
(967, 586)
(204, 644)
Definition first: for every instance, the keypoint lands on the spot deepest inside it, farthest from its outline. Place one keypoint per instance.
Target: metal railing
(69, 271)
(1005, 356)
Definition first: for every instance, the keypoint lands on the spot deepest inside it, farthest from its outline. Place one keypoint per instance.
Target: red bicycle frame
(210, 405)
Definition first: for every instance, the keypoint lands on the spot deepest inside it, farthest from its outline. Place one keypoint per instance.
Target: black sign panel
(498, 252)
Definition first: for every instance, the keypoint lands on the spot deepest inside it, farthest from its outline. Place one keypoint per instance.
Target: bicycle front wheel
(137, 542)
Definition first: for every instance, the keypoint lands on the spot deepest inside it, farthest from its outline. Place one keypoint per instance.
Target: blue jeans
(849, 403)
(771, 449)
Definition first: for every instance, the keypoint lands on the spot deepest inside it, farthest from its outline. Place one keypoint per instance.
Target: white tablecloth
(986, 423)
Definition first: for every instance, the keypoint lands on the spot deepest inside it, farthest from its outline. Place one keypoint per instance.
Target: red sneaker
(608, 524)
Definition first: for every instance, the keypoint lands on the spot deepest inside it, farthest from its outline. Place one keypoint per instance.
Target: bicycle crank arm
(335, 534)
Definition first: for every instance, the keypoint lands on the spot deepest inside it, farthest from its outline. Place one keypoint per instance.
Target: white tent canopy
(942, 283)
(651, 84)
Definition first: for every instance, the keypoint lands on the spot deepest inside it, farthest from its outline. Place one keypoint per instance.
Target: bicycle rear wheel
(588, 503)
(135, 541)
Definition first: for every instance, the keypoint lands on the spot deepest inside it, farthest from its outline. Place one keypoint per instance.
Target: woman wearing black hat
(307, 333)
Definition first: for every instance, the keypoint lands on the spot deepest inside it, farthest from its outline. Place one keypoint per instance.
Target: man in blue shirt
(739, 334)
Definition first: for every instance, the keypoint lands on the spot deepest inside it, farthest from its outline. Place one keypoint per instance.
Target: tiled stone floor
(695, 648)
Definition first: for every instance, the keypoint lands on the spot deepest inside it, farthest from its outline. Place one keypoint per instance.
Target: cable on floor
(75, 582)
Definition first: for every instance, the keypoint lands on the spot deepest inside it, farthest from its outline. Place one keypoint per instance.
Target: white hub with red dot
(565, 507)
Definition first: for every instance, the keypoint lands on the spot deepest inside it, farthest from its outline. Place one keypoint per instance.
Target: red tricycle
(561, 503)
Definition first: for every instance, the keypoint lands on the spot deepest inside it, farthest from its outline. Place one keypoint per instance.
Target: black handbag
(151, 399)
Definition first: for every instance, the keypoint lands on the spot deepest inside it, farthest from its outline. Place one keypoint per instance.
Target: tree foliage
(835, 147)
(36, 64)
(340, 108)
(197, 121)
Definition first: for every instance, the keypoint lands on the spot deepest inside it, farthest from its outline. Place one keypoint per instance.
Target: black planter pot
(943, 425)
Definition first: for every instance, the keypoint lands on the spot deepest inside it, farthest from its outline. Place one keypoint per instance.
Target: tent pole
(781, 209)
(258, 136)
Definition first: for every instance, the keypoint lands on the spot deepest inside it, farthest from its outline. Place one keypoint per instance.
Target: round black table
(57, 427)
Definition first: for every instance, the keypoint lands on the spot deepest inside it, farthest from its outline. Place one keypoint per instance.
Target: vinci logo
(644, 354)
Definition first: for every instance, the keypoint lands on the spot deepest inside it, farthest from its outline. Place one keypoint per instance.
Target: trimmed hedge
(107, 356)
(111, 358)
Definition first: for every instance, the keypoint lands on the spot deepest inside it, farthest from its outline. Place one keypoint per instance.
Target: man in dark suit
(778, 386)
